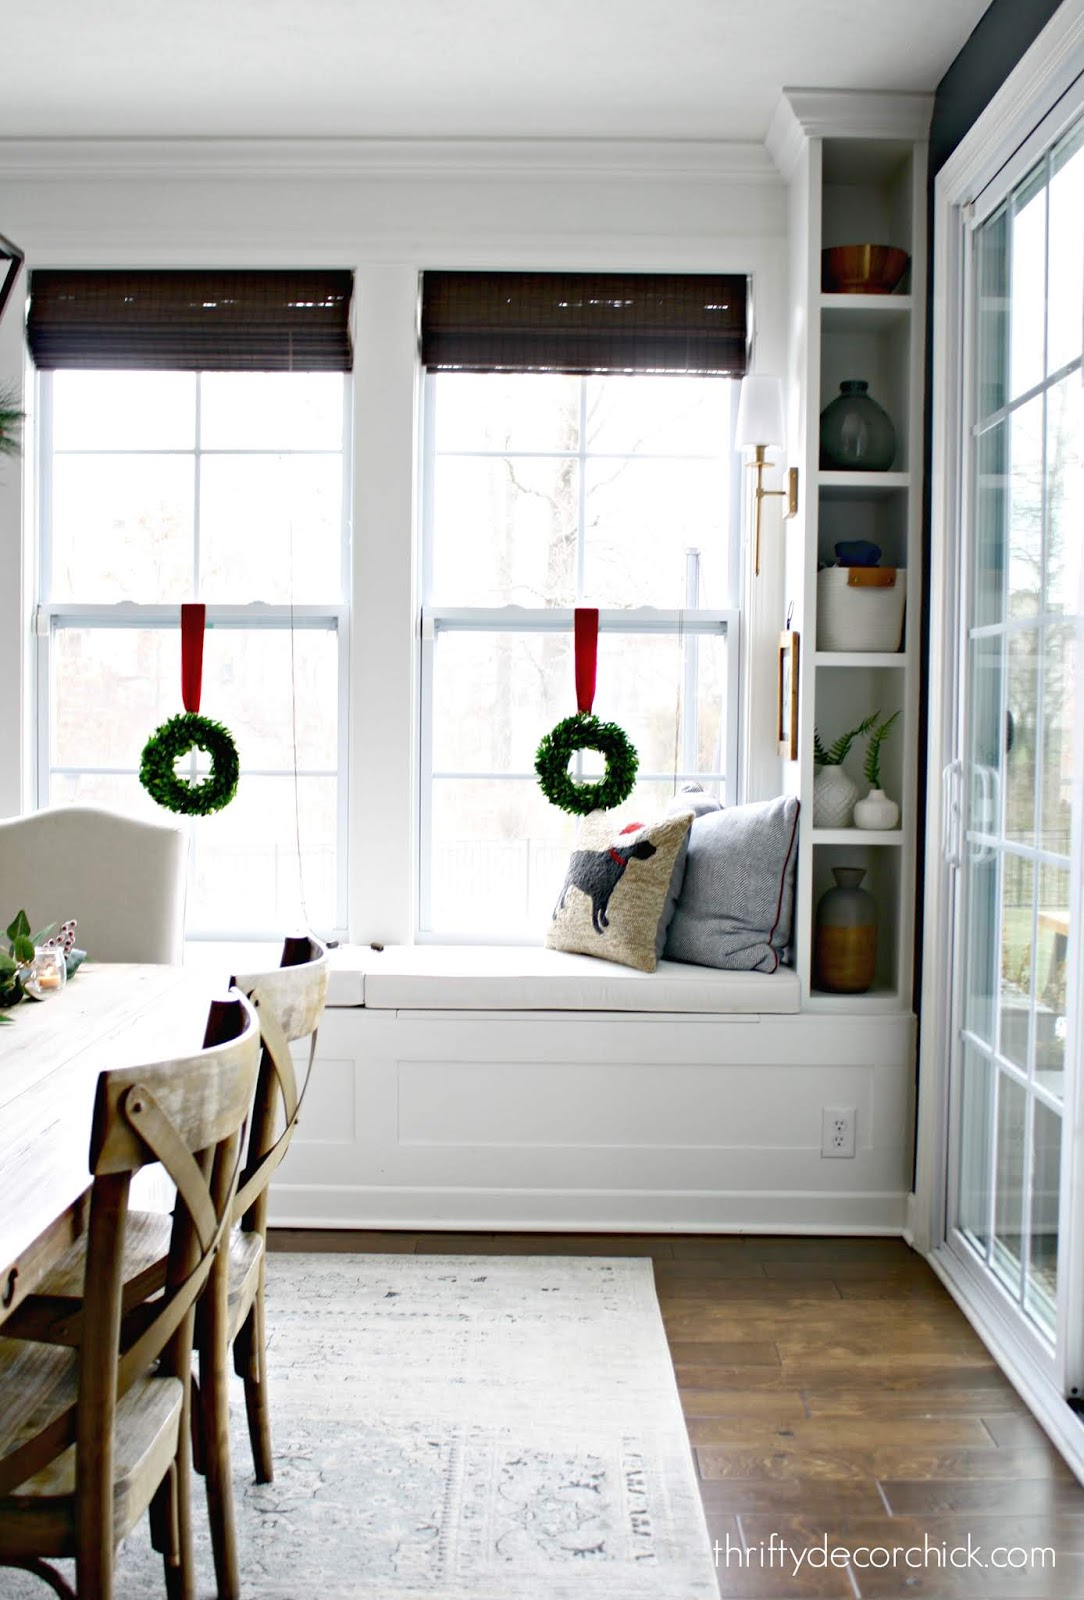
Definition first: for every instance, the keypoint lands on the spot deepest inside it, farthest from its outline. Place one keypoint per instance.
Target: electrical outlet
(837, 1131)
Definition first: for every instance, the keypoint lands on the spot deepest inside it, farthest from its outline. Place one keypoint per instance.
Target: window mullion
(581, 516)
(690, 664)
(345, 504)
(44, 650)
(256, 614)
(197, 441)
(581, 498)
(558, 619)
(197, 488)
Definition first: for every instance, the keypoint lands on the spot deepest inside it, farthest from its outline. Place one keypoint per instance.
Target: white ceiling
(649, 69)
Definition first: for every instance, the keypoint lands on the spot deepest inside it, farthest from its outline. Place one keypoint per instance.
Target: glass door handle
(951, 813)
(986, 812)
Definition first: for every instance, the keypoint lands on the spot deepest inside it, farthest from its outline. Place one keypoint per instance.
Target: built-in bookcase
(856, 164)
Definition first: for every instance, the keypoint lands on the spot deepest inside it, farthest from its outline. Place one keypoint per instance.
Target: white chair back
(123, 881)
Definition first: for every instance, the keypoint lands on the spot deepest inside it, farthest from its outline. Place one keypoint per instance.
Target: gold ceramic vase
(845, 948)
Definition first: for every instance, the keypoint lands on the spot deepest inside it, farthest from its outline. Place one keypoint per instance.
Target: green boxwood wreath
(175, 738)
(586, 732)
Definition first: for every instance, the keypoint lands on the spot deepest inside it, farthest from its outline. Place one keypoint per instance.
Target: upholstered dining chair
(123, 880)
(120, 1392)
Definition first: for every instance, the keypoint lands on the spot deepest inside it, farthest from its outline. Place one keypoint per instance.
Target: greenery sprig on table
(19, 954)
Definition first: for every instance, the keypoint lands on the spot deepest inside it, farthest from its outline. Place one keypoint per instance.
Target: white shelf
(868, 186)
(890, 837)
(869, 659)
(861, 485)
(878, 1000)
(863, 313)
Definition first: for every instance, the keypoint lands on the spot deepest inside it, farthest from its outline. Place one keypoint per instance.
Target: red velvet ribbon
(193, 619)
(585, 621)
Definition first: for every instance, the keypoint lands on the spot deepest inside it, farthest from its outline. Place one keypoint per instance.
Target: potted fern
(834, 791)
(877, 810)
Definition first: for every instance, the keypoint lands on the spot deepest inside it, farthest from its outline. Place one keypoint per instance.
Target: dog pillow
(615, 892)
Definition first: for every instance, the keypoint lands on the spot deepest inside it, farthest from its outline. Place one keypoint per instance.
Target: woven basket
(860, 608)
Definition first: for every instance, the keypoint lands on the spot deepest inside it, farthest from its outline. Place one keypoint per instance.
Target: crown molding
(703, 160)
(803, 114)
(785, 138)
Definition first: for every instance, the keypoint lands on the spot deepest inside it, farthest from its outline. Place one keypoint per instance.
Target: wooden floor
(831, 1387)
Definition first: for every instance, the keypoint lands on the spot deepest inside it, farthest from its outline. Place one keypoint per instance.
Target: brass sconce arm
(790, 494)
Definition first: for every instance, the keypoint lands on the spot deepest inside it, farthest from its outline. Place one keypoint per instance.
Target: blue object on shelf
(858, 553)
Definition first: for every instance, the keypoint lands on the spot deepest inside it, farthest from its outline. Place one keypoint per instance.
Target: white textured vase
(876, 811)
(834, 795)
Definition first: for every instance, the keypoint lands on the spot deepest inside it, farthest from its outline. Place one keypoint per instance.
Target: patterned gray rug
(483, 1428)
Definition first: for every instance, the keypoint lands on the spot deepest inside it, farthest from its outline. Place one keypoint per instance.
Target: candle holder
(46, 975)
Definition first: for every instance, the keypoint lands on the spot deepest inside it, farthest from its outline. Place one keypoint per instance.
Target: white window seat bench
(436, 977)
(508, 1088)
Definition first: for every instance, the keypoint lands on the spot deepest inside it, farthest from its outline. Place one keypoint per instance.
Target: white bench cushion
(529, 978)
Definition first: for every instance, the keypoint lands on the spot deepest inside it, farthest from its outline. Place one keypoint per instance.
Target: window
(542, 491)
(163, 486)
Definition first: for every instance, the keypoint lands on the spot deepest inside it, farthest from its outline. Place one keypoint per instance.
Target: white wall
(389, 210)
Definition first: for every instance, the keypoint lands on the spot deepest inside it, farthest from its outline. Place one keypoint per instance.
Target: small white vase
(876, 811)
(834, 795)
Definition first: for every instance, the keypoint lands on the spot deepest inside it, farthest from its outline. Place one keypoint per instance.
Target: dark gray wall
(1002, 35)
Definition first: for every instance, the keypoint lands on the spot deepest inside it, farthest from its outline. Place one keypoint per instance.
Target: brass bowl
(862, 268)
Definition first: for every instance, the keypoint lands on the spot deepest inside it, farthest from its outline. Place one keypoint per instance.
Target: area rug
(483, 1428)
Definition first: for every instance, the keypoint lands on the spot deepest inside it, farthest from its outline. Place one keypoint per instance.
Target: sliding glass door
(1017, 949)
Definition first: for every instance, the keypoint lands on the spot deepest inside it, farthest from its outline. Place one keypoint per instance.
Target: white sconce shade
(760, 412)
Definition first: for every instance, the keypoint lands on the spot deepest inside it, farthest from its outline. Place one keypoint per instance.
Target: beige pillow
(615, 891)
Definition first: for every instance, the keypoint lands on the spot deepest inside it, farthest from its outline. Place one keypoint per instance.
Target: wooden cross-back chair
(95, 1430)
(289, 1002)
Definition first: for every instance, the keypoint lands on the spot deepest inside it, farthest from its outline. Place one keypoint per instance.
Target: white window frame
(50, 616)
(1042, 96)
(689, 623)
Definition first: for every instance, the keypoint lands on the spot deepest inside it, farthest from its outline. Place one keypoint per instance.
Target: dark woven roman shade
(192, 321)
(584, 322)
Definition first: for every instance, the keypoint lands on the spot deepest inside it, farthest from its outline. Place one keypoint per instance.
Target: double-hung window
(211, 464)
(577, 451)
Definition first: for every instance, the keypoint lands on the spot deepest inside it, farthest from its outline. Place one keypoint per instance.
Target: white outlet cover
(838, 1132)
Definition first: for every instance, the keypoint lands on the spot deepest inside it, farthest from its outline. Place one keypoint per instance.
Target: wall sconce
(14, 257)
(760, 428)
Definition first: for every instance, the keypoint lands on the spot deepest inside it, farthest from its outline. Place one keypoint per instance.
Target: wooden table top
(50, 1058)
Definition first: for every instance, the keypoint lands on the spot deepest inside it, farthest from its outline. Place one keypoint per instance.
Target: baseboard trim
(587, 1211)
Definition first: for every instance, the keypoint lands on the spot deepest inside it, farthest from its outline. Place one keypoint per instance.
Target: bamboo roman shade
(584, 322)
(192, 321)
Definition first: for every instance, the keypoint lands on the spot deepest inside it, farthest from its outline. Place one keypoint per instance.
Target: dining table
(50, 1056)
